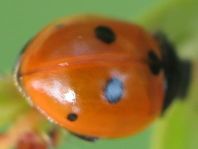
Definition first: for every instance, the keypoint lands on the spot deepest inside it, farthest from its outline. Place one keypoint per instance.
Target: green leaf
(12, 103)
(179, 128)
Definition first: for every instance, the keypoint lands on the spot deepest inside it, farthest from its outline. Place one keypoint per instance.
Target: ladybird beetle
(99, 77)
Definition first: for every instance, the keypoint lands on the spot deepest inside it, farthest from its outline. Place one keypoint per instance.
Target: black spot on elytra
(154, 63)
(72, 117)
(60, 26)
(105, 34)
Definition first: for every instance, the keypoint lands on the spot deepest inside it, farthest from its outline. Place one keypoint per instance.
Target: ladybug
(99, 77)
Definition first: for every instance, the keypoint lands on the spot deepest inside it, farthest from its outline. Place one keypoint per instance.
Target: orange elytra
(97, 77)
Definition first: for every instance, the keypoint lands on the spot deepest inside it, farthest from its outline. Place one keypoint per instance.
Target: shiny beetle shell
(94, 76)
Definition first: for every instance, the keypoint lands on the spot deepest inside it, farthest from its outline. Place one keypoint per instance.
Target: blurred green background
(20, 20)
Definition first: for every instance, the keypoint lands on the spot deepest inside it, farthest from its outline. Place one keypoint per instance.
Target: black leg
(86, 138)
